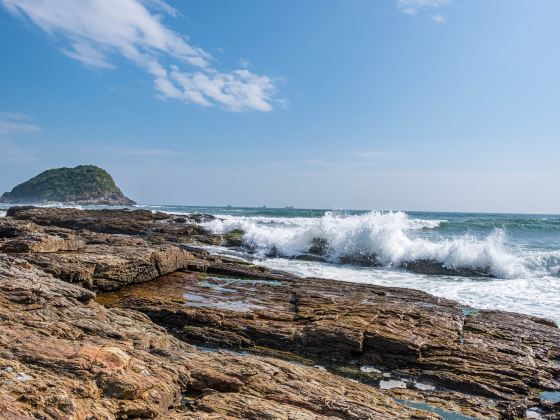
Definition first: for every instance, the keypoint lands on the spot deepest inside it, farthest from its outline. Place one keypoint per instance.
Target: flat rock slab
(157, 225)
(94, 260)
(110, 268)
(43, 243)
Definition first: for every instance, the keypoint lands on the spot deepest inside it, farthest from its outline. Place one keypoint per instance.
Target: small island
(84, 184)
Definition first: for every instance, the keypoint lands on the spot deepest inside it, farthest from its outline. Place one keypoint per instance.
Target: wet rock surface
(293, 347)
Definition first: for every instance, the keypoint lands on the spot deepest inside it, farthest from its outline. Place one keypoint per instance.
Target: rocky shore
(121, 314)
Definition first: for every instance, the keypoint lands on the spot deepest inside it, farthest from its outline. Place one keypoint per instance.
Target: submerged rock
(435, 268)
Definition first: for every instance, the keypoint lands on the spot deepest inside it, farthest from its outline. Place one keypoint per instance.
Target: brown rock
(489, 354)
(40, 242)
(53, 364)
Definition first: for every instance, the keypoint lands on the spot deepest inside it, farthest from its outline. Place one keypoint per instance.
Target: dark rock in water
(365, 260)
(85, 184)
(200, 218)
(234, 238)
(310, 257)
(273, 253)
(436, 268)
(317, 251)
(319, 246)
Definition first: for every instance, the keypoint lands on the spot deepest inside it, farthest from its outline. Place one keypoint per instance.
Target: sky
(437, 105)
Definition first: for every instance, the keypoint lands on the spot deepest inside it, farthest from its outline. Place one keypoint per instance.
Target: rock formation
(175, 332)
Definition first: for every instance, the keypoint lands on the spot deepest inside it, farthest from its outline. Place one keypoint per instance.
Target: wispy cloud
(349, 161)
(411, 7)
(15, 122)
(135, 151)
(370, 154)
(15, 153)
(439, 19)
(14, 125)
(94, 31)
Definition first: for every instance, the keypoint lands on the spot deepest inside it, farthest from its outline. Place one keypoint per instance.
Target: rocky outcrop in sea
(84, 184)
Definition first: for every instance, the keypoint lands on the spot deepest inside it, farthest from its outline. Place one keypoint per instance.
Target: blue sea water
(521, 252)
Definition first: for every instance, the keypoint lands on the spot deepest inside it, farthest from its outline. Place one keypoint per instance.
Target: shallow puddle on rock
(217, 287)
(444, 414)
(552, 396)
(205, 349)
(232, 280)
(423, 387)
(23, 377)
(369, 369)
(534, 413)
(392, 384)
(197, 301)
(191, 298)
(468, 311)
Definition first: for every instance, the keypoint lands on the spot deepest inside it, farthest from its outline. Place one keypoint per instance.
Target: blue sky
(387, 104)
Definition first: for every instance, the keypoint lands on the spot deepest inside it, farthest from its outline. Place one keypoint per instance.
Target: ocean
(519, 252)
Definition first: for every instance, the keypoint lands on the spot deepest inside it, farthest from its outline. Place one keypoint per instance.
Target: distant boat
(228, 206)
(289, 207)
(263, 207)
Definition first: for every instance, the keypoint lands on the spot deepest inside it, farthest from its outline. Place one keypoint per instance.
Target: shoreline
(480, 363)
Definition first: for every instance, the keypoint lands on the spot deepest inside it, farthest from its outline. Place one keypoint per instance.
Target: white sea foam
(393, 238)
(533, 296)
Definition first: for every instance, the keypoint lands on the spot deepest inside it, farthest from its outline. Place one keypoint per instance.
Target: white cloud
(161, 5)
(95, 30)
(15, 122)
(439, 19)
(238, 90)
(412, 7)
(88, 55)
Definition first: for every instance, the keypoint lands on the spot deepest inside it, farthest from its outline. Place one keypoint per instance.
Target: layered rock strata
(291, 347)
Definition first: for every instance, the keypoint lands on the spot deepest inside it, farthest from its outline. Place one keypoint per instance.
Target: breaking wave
(392, 239)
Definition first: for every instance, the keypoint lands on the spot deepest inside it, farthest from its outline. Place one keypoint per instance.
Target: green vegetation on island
(84, 184)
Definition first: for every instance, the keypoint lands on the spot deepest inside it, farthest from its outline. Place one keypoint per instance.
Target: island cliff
(84, 184)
